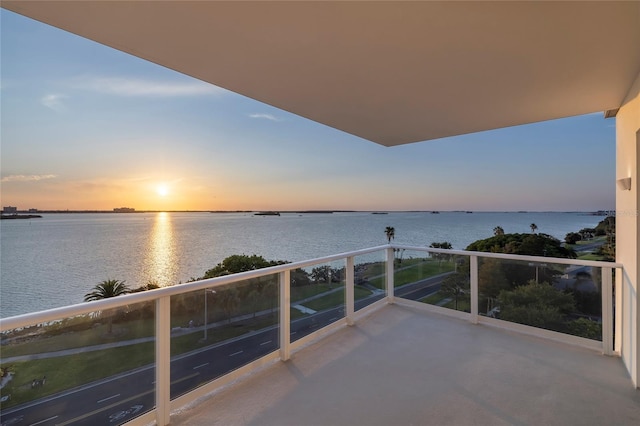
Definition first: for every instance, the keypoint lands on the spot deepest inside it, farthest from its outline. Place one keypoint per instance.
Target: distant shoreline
(39, 212)
(20, 216)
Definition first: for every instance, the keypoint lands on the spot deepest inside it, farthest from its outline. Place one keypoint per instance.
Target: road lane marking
(111, 397)
(115, 404)
(42, 421)
(201, 365)
(182, 379)
(236, 353)
(265, 343)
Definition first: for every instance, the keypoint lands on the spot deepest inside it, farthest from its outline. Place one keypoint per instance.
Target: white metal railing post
(618, 310)
(607, 312)
(390, 272)
(473, 278)
(349, 282)
(163, 360)
(285, 314)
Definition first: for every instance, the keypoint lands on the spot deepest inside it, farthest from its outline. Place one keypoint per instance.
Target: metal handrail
(54, 314)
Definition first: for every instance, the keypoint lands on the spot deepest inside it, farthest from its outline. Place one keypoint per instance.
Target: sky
(86, 127)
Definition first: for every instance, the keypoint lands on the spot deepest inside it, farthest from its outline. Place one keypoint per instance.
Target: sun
(162, 190)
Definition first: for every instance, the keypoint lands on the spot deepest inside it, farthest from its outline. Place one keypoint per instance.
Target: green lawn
(302, 292)
(191, 341)
(599, 239)
(413, 270)
(335, 299)
(96, 335)
(592, 256)
(434, 299)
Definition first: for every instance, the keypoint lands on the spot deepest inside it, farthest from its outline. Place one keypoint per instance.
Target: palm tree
(391, 233)
(105, 290)
(441, 256)
(498, 230)
(533, 227)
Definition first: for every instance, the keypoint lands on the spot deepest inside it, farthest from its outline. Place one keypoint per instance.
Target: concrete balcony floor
(402, 366)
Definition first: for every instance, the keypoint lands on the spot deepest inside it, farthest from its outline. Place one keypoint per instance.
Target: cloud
(54, 102)
(138, 87)
(265, 116)
(26, 178)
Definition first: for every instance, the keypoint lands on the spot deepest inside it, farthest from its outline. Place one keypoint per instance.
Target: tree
(526, 244)
(441, 256)
(587, 233)
(586, 328)
(607, 224)
(229, 301)
(390, 231)
(491, 278)
(105, 290)
(572, 238)
(498, 230)
(321, 274)
(518, 273)
(271, 292)
(533, 227)
(254, 298)
(457, 286)
(239, 263)
(539, 305)
(443, 245)
(299, 277)
(150, 285)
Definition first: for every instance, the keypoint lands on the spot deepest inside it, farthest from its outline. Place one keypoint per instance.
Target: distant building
(33, 210)
(124, 210)
(9, 209)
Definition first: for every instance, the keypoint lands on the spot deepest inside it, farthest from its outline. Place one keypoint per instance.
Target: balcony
(429, 341)
(404, 366)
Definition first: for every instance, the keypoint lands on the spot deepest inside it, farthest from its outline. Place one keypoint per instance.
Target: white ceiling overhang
(389, 72)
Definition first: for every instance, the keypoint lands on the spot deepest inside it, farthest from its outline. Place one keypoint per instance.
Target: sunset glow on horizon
(86, 127)
(162, 190)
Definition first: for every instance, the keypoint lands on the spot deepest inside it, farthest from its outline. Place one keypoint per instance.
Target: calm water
(54, 261)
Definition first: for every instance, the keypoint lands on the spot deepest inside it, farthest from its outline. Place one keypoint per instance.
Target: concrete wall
(628, 227)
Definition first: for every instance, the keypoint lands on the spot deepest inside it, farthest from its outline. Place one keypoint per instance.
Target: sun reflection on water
(160, 265)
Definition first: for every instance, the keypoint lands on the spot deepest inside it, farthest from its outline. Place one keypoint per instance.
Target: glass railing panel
(444, 281)
(369, 275)
(97, 368)
(217, 330)
(557, 297)
(584, 283)
(439, 279)
(317, 297)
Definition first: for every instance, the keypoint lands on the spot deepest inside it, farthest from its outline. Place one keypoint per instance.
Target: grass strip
(70, 371)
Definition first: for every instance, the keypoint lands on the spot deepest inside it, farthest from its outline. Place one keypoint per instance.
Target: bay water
(55, 260)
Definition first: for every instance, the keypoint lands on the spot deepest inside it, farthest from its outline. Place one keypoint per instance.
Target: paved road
(422, 288)
(590, 247)
(121, 398)
(118, 399)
